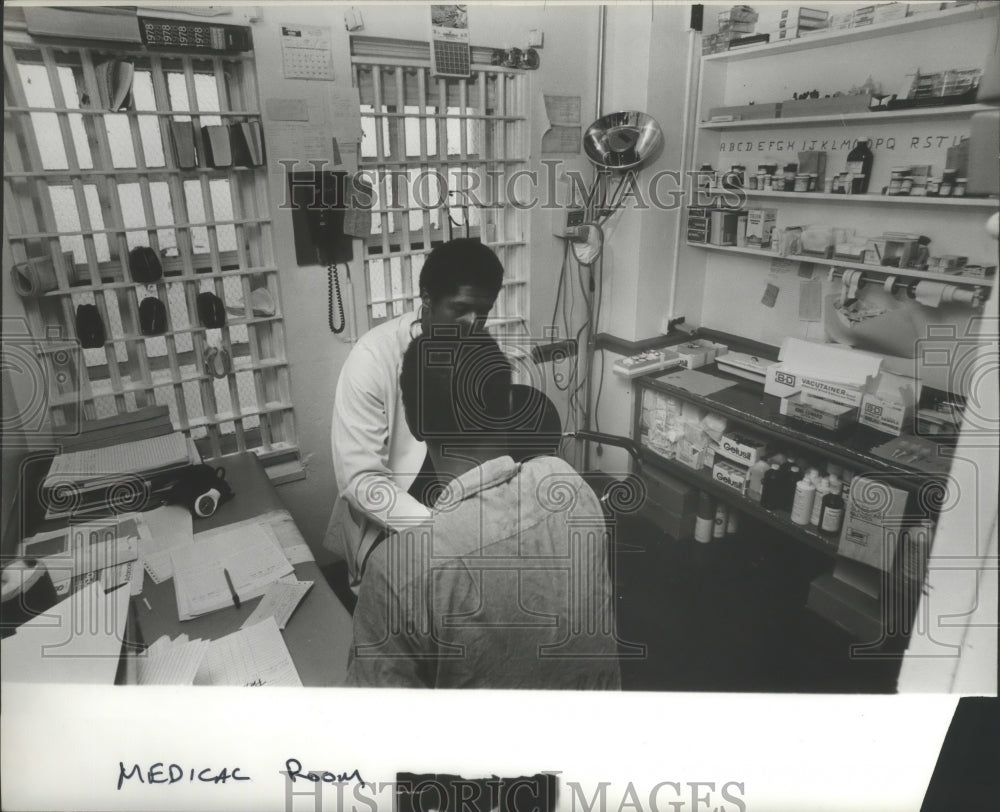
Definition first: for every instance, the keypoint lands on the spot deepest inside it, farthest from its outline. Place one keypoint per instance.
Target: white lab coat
(375, 457)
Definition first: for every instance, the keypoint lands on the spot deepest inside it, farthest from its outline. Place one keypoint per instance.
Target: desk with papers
(287, 629)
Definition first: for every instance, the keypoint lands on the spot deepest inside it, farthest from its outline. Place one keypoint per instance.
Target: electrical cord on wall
(332, 287)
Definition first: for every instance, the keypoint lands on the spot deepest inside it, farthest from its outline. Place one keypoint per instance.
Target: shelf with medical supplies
(990, 203)
(932, 18)
(873, 117)
(739, 396)
(837, 266)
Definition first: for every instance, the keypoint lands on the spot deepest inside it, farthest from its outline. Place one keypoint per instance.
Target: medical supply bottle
(755, 483)
(721, 518)
(805, 495)
(705, 518)
(771, 493)
(822, 489)
(859, 165)
(832, 514)
(732, 523)
(792, 478)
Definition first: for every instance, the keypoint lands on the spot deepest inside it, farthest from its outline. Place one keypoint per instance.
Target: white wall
(316, 356)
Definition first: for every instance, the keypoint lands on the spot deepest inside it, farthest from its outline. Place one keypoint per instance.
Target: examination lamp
(623, 141)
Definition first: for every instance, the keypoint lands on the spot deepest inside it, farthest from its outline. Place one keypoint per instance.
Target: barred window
(83, 186)
(441, 154)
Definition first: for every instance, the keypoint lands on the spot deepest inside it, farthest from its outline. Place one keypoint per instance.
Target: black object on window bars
(211, 312)
(152, 316)
(144, 265)
(89, 327)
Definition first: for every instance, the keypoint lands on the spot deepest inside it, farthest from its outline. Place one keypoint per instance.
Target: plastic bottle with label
(805, 495)
(705, 518)
(733, 523)
(755, 483)
(831, 516)
(721, 518)
(822, 489)
(792, 478)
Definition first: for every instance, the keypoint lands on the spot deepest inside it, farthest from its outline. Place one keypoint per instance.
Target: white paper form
(253, 656)
(171, 662)
(565, 133)
(279, 602)
(169, 527)
(249, 552)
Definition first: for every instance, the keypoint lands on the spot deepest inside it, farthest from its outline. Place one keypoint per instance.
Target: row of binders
(222, 145)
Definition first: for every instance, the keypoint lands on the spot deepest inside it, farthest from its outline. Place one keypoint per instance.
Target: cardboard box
(730, 475)
(760, 224)
(780, 382)
(742, 447)
(818, 412)
(873, 519)
(692, 455)
(669, 493)
(858, 103)
(692, 354)
(679, 526)
(833, 391)
(890, 407)
(745, 112)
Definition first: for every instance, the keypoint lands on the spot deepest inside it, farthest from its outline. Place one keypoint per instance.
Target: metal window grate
(83, 186)
(440, 153)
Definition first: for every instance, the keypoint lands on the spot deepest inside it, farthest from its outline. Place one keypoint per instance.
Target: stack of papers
(250, 657)
(171, 662)
(279, 602)
(113, 478)
(250, 553)
(169, 527)
(72, 554)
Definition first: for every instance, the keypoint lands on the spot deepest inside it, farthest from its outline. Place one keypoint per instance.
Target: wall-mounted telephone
(323, 203)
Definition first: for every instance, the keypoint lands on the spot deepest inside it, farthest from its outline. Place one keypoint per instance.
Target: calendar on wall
(306, 52)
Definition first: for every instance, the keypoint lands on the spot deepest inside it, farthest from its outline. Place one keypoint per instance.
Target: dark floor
(730, 616)
(725, 616)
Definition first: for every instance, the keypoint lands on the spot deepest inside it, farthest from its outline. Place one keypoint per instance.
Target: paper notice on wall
(286, 109)
(782, 268)
(345, 114)
(300, 143)
(565, 134)
(562, 110)
(770, 295)
(811, 300)
(562, 140)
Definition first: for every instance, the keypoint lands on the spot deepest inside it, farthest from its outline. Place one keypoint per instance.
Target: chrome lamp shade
(623, 141)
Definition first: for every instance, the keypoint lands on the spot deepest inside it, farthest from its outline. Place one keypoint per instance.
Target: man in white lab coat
(383, 475)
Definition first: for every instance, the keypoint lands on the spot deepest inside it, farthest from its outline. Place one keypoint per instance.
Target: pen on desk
(232, 589)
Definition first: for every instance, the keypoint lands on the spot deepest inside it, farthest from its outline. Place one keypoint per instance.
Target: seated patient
(507, 585)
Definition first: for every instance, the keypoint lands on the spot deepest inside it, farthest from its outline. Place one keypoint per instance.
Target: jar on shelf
(801, 183)
(959, 189)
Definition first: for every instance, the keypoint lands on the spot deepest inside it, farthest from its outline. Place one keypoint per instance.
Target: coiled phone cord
(332, 283)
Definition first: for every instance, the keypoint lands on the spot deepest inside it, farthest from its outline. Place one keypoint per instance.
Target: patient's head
(456, 396)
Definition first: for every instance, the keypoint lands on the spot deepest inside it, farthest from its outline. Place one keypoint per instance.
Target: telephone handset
(325, 217)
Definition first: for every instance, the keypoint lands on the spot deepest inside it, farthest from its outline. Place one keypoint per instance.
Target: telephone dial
(329, 209)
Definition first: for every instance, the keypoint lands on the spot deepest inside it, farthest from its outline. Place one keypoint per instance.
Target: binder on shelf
(218, 145)
(247, 140)
(114, 84)
(184, 143)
